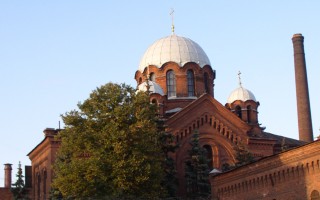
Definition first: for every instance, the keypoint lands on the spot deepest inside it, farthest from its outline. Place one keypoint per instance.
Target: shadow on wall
(294, 174)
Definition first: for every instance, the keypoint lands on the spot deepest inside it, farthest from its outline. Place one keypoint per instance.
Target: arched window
(140, 80)
(38, 185)
(315, 195)
(152, 77)
(206, 82)
(154, 101)
(171, 84)
(44, 184)
(249, 113)
(238, 112)
(190, 77)
(209, 156)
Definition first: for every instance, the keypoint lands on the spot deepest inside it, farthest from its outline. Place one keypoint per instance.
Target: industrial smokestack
(7, 175)
(302, 91)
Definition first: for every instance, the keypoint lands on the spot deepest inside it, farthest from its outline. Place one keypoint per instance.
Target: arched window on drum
(206, 82)
(171, 84)
(190, 77)
(238, 111)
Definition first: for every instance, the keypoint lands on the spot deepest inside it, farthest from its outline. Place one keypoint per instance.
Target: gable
(206, 111)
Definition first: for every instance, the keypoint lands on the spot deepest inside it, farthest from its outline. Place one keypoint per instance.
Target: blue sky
(54, 53)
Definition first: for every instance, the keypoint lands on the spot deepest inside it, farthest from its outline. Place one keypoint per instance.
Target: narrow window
(152, 77)
(249, 113)
(206, 82)
(171, 84)
(239, 112)
(190, 77)
(44, 185)
(140, 80)
(39, 185)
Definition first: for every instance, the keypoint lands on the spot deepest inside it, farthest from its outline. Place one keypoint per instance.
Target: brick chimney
(302, 91)
(7, 175)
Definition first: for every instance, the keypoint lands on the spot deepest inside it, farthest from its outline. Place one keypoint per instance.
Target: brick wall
(294, 174)
(5, 194)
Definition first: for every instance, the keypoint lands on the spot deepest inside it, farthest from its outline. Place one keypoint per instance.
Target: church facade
(178, 73)
(181, 82)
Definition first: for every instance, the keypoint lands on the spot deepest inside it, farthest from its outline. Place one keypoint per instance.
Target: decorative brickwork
(42, 158)
(187, 104)
(294, 174)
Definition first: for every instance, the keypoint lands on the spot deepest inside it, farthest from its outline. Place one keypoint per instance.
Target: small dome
(154, 88)
(173, 48)
(241, 94)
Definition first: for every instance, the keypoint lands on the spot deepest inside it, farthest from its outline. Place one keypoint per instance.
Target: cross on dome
(239, 77)
(172, 18)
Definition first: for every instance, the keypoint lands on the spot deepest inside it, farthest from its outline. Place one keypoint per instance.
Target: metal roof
(154, 87)
(173, 48)
(241, 94)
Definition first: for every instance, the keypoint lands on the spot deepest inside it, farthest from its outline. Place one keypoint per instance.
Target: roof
(280, 139)
(153, 87)
(241, 94)
(180, 50)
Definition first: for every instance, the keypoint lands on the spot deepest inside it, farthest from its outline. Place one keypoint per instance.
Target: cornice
(212, 107)
(289, 158)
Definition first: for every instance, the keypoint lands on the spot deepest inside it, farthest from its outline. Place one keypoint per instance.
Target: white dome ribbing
(173, 48)
(153, 87)
(241, 94)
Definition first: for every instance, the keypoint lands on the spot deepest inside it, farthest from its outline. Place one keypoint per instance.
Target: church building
(180, 77)
(181, 82)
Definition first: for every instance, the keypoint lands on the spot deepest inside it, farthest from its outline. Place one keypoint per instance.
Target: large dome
(241, 94)
(173, 48)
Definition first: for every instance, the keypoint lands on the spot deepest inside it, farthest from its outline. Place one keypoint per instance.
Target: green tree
(243, 157)
(197, 170)
(170, 181)
(110, 147)
(18, 189)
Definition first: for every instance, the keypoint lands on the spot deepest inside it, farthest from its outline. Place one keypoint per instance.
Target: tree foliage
(170, 181)
(110, 147)
(197, 170)
(243, 157)
(18, 190)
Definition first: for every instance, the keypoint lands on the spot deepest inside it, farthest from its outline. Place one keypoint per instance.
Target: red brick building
(181, 80)
(178, 73)
(293, 174)
(42, 158)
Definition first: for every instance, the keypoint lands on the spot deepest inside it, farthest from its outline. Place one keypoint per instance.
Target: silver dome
(173, 48)
(154, 88)
(241, 94)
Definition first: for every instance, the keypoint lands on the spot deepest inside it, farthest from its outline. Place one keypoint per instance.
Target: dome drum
(243, 103)
(180, 68)
(247, 111)
(203, 79)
